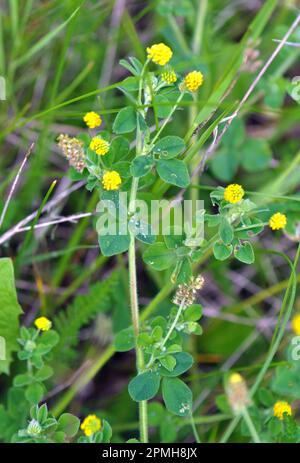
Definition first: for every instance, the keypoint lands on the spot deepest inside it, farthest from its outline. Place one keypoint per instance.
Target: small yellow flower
(159, 53)
(277, 221)
(92, 120)
(99, 145)
(169, 76)
(235, 378)
(296, 324)
(234, 193)
(43, 324)
(111, 180)
(193, 80)
(90, 425)
(282, 408)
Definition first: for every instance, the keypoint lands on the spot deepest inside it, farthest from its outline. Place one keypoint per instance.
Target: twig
(14, 230)
(13, 187)
(71, 218)
(291, 44)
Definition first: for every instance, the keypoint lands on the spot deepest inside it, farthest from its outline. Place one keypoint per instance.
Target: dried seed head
(237, 393)
(186, 293)
(72, 149)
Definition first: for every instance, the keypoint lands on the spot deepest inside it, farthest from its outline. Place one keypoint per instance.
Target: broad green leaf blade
(125, 121)
(184, 361)
(244, 253)
(144, 386)
(177, 396)
(9, 314)
(174, 172)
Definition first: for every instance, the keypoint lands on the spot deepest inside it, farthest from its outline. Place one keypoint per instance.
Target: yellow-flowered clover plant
(135, 153)
(95, 430)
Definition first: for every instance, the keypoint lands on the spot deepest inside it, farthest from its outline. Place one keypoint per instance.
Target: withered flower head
(186, 293)
(72, 149)
(237, 393)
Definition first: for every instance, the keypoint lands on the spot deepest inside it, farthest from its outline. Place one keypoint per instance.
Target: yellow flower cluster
(92, 120)
(296, 324)
(99, 145)
(233, 193)
(43, 323)
(111, 180)
(90, 425)
(169, 76)
(277, 221)
(281, 408)
(159, 53)
(193, 80)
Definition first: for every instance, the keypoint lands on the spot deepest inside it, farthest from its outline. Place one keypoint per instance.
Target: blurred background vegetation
(60, 60)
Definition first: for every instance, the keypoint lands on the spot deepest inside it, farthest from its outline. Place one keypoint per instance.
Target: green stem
(197, 438)
(251, 426)
(143, 413)
(167, 120)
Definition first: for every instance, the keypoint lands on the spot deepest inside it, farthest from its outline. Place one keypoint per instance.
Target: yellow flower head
(234, 193)
(90, 425)
(282, 408)
(193, 80)
(99, 145)
(92, 120)
(159, 53)
(277, 221)
(169, 76)
(43, 324)
(296, 324)
(111, 180)
(235, 378)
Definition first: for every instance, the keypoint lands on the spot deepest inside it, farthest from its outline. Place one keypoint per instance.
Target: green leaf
(142, 230)
(225, 164)
(222, 251)
(174, 172)
(124, 340)
(144, 386)
(184, 361)
(193, 313)
(225, 231)
(9, 314)
(159, 256)
(106, 432)
(22, 380)
(111, 245)
(169, 147)
(168, 362)
(177, 396)
(49, 339)
(244, 253)
(162, 106)
(141, 166)
(119, 148)
(34, 393)
(185, 271)
(125, 121)
(255, 155)
(69, 424)
(44, 373)
(266, 397)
